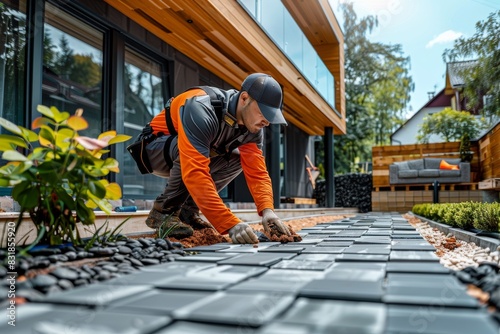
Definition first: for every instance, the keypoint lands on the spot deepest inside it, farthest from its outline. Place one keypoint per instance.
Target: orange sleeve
(257, 177)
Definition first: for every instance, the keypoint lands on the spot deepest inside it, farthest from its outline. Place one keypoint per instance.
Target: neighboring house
(407, 133)
(455, 84)
(451, 96)
(122, 59)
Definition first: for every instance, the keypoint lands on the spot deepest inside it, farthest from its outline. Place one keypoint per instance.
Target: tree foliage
(378, 87)
(450, 124)
(483, 79)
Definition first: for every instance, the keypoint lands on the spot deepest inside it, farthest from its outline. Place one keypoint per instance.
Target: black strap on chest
(215, 101)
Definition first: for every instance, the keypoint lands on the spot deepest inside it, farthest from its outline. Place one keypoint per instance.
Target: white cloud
(444, 37)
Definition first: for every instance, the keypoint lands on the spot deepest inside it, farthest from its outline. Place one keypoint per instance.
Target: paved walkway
(371, 273)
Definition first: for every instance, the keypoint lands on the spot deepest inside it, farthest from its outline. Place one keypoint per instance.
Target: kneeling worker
(207, 137)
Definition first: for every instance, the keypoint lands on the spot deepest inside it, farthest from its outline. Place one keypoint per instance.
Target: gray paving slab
(95, 294)
(336, 316)
(239, 309)
(408, 255)
(343, 289)
(431, 296)
(362, 258)
(157, 301)
(301, 265)
(258, 259)
(57, 319)
(418, 319)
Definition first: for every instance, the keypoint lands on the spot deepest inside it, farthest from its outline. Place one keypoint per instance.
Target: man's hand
(268, 216)
(242, 234)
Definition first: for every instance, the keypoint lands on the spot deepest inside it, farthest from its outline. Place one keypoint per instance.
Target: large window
(72, 67)
(143, 99)
(12, 60)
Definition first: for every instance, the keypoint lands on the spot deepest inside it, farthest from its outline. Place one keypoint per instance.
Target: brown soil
(274, 234)
(203, 237)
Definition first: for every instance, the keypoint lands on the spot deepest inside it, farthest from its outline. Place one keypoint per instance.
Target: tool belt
(147, 160)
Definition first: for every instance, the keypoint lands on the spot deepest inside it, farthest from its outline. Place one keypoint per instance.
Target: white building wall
(408, 133)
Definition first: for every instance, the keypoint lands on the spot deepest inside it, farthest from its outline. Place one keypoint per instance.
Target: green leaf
(28, 135)
(113, 191)
(63, 196)
(13, 156)
(4, 182)
(46, 111)
(10, 126)
(46, 136)
(10, 141)
(22, 167)
(85, 214)
(119, 139)
(97, 189)
(59, 116)
(28, 198)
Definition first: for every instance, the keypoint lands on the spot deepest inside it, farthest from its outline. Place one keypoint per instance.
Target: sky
(425, 29)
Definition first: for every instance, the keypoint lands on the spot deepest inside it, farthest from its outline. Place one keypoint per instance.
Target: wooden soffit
(222, 37)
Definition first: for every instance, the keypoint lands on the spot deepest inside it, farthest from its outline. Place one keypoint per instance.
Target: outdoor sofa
(428, 170)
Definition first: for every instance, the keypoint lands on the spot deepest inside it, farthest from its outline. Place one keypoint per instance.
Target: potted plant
(61, 180)
(465, 152)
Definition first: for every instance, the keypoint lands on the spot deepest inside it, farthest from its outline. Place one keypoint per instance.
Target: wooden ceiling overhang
(222, 37)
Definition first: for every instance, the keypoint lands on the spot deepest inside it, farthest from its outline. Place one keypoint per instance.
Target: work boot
(162, 222)
(194, 220)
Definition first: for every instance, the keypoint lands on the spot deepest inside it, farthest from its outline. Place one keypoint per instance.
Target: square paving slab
(187, 327)
(370, 291)
(55, 320)
(362, 258)
(420, 319)
(336, 316)
(432, 296)
(258, 259)
(239, 309)
(160, 302)
(368, 249)
(95, 294)
(301, 265)
(419, 256)
(416, 267)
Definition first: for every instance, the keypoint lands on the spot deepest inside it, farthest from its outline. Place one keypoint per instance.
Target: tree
(449, 124)
(378, 85)
(483, 79)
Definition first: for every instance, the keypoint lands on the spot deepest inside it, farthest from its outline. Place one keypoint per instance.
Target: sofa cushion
(433, 163)
(447, 166)
(407, 173)
(416, 164)
(428, 173)
(402, 165)
(449, 173)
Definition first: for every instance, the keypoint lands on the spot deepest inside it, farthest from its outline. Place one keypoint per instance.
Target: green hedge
(465, 215)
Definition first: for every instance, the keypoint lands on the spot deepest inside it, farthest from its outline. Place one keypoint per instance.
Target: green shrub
(487, 217)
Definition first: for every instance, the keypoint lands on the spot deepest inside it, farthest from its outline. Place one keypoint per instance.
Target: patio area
(370, 273)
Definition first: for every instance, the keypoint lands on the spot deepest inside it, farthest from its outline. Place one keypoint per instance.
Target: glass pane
(143, 100)
(250, 5)
(293, 41)
(72, 67)
(272, 21)
(12, 61)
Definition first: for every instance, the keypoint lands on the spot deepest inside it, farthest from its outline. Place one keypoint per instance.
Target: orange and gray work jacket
(202, 135)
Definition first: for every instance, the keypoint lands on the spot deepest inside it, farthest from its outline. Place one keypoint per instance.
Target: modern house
(120, 60)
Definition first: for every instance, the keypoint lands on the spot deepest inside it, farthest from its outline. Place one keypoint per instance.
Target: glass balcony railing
(277, 22)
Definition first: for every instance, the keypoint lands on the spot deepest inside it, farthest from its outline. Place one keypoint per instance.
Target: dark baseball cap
(267, 92)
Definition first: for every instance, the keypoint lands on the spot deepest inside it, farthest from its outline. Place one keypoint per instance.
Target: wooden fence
(489, 154)
(383, 156)
(484, 165)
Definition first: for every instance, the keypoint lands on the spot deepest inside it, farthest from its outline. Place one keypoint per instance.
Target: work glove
(242, 233)
(268, 217)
